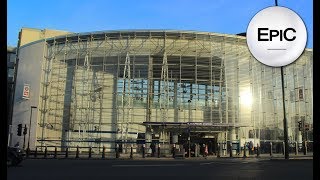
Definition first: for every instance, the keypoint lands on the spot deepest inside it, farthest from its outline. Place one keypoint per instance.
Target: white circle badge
(276, 36)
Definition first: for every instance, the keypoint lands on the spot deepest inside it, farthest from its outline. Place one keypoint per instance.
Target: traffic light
(300, 125)
(25, 130)
(19, 129)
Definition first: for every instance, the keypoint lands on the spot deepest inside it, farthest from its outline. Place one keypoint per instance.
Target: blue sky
(221, 16)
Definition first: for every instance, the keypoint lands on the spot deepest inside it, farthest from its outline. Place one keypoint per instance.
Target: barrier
(258, 151)
(219, 150)
(244, 151)
(55, 153)
(90, 152)
(77, 152)
(36, 152)
(45, 152)
(174, 151)
(143, 150)
(159, 151)
(103, 152)
(67, 153)
(131, 152)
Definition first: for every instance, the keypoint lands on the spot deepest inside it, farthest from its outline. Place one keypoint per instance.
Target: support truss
(164, 89)
(126, 99)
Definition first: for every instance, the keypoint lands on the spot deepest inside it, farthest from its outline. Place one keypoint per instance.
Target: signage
(26, 91)
(276, 36)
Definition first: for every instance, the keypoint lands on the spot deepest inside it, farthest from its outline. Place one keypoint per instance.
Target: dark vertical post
(30, 127)
(36, 152)
(218, 150)
(270, 148)
(159, 151)
(131, 152)
(189, 139)
(67, 152)
(103, 152)
(258, 150)
(174, 150)
(90, 152)
(305, 148)
(143, 151)
(244, 151)
(45, 152)
(77, 152)
(28, 152)
(24, 136)
(296, 148)
(117, 151)
(285, 127)
(55, 152)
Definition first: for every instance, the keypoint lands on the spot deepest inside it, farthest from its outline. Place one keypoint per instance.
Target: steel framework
(97, 85)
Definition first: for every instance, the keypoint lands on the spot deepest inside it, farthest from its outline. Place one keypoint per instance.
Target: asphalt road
(60, 169)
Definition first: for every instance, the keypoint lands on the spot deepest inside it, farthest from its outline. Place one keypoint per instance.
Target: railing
(170, 150)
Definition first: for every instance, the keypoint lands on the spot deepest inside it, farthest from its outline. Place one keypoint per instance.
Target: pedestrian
(206, 150)
(153, 148)
(251, 148)
(17, 144)
(203, 147)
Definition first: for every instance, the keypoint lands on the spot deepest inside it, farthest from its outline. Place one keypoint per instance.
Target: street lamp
(285, 126)
(32, 107)
(189, 138)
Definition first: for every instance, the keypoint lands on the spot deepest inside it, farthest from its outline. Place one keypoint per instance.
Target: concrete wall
(29, 35)
(29, 72)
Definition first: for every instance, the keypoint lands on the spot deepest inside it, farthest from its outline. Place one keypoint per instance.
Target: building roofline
(11, 49)
(236, 36)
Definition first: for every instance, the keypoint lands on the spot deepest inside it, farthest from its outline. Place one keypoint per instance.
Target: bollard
(143, 151)
(67, 153)
(270, 148)
(283, 148)
(103, 152)
(55, 153)
(117, 151)
(28, 152)
(218, 150)
(305, 148)
(159, 151)
(244, 151)
(90, 152)
(296, 148)
(77, 152)
(230, 149)
(36, 152)
(45, 152)
(131, 152)
(174, 151)
(258, 150)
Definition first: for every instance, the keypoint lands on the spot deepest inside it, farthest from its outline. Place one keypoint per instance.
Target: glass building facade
(102, 87)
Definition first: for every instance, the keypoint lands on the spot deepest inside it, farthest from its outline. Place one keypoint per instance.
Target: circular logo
(276, 36)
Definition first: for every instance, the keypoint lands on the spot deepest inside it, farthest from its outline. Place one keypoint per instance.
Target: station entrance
(198, 142)
(198, 137)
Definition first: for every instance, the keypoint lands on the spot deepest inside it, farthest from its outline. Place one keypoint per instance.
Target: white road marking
(146, 165)
(206, 163)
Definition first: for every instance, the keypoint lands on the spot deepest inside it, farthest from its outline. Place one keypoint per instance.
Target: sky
(219, 16)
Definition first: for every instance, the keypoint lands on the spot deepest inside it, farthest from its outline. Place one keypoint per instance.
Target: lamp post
(32, 107)
(189, 138)
(285, 126)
